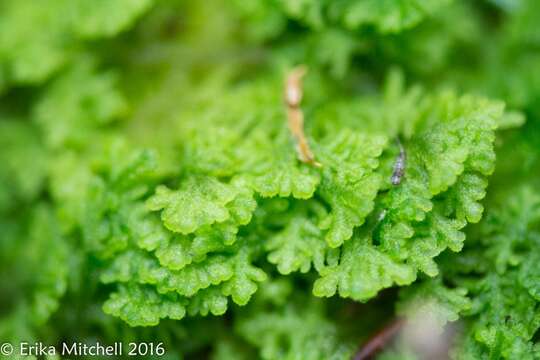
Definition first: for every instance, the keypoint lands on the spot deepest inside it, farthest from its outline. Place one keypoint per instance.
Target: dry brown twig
(293, 98)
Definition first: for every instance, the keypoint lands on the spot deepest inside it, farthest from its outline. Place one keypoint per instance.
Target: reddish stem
(378, 341)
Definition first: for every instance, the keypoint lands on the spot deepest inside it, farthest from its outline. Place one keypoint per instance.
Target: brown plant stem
(379, 340)
(295, 116)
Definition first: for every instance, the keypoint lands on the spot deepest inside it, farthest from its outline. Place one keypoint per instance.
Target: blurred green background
(102, 101)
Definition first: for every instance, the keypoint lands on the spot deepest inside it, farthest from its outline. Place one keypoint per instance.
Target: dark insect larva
(399, 166)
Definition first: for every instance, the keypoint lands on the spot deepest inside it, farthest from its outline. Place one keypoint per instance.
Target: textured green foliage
(418, 223)
(507, 323)
(387, 16)
(68, 113)
(504, 302)
(299, 246)
(151, 191)
(23, 168)
(200, 201)
(362, 272)
(141, 306)
(348, 183)
(38, 38)
(432, 299)
(44, 280)
(298, 327)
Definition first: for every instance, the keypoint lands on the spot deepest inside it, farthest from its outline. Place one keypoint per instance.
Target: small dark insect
(399, 166)
(378, 341)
